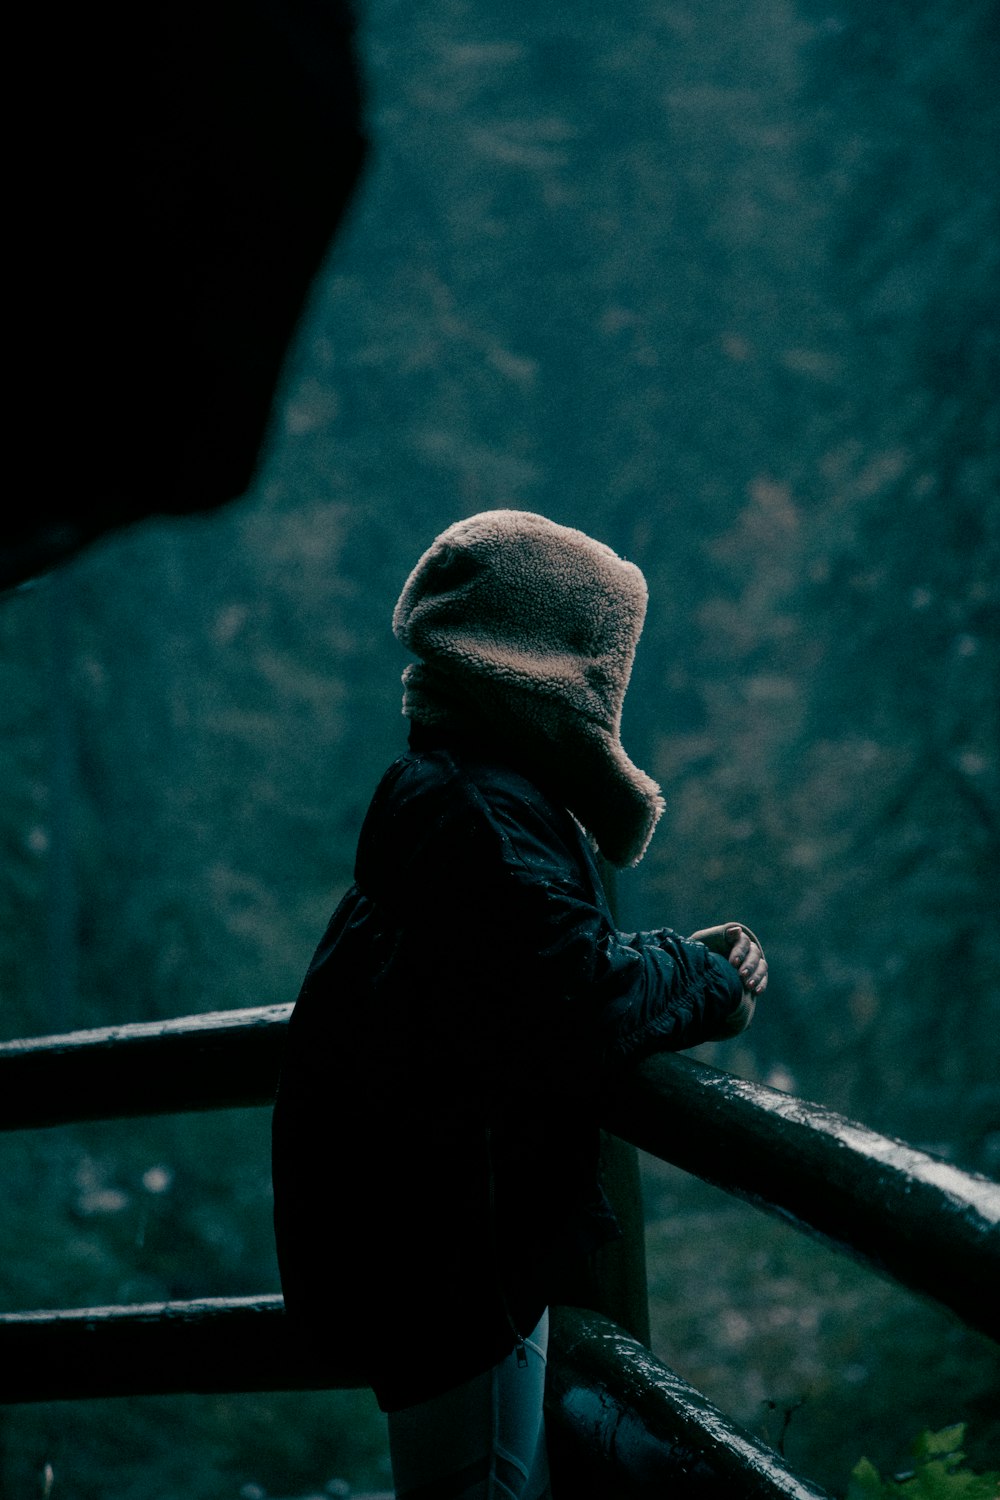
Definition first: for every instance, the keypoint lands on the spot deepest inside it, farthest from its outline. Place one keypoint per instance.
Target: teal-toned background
(718, 284)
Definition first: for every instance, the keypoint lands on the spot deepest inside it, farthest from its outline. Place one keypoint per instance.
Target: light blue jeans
(484, 1440)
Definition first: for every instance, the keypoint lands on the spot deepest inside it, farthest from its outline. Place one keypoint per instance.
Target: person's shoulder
(477, 774)
(470, 822)
(472, 773)
(537, 829)
(429, 781)
(431, 788)
(476, 798)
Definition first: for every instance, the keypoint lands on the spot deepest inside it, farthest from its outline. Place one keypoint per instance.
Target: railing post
(613, 1280)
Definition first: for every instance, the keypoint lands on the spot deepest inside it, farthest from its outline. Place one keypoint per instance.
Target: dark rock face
(182, 172)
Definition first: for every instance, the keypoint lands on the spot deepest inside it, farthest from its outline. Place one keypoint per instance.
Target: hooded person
(436, 1131)
(529, 629)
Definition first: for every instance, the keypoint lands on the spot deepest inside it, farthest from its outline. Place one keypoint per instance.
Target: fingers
(747, 956)
(753, 971)
(758, 983)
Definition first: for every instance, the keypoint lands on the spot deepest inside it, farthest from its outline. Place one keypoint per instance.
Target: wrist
(739, 1019)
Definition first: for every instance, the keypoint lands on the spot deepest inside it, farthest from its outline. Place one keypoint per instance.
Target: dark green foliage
(939, 1473)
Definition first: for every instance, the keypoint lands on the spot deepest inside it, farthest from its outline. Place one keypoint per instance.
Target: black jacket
(435, 1133)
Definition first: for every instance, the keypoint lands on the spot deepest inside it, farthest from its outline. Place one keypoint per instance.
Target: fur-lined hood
(530, 629)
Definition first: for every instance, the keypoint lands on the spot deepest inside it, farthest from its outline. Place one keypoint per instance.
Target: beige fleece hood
(530, 628)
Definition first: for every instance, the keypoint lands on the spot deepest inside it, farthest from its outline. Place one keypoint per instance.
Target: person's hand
(747, 956)
(737, 943)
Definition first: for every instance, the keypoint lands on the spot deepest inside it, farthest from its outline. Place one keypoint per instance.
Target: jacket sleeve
(701, 991)
(507, 875)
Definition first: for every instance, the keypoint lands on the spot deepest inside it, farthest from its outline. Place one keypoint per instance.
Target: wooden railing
(613, 1410)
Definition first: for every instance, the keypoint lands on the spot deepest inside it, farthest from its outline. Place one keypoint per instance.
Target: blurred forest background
(717, 283)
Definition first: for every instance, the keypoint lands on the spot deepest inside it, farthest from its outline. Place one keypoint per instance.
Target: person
(436, 1127)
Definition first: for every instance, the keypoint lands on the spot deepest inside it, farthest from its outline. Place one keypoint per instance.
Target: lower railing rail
(614, 1412)
(639, 1429)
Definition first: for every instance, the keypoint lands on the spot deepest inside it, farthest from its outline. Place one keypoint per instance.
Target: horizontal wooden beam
(213, 1061)
(622, 1423)
(920, 1220)
(618, 1417)
(213, 1345)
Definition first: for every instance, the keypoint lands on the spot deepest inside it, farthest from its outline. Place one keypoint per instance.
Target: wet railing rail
(631, 1422)
(213, 1061)
(623, 1422)
(904, 1212)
